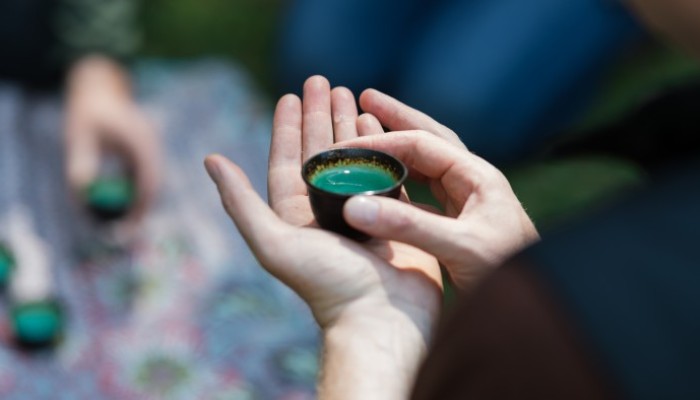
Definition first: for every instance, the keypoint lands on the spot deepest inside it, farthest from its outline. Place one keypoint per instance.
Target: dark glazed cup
(327, 206)
(110, 199)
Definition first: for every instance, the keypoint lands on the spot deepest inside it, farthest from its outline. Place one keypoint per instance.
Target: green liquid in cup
(37, 322)
(111, 194)
(352, 179)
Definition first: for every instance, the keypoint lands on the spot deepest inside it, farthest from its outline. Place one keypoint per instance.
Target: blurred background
(574, 112)
(252, 33)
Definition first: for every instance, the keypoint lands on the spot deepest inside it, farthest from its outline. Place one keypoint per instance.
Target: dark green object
(110, 198)
(37, 324)
(7, 264)
(379, 173)
(353, 178)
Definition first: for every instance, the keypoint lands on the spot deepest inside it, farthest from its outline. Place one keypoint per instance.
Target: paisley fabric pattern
(186, 312)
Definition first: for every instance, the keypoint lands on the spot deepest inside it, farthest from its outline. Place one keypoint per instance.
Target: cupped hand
(103, 118)
(483, 223)
(339, 278)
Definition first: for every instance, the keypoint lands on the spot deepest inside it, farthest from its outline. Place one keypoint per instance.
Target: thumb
(256, 222)
(390, 219)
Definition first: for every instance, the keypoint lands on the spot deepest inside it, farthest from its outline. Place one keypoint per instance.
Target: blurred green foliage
(644, 72)
(242, 30)
(554, 191)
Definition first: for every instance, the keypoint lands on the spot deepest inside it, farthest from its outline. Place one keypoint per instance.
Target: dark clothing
(39, 39)
(505, 75)
(27, 41)
(510, 341)
(608, 307)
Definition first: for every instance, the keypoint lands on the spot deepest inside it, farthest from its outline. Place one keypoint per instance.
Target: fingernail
(212, 169)
(362, 209)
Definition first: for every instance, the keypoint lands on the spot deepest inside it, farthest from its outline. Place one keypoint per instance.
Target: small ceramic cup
(37, 324)
(333, 176)
(112, 194)
(110, 199)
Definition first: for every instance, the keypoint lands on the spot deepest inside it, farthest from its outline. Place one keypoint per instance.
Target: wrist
(374, 354)
(410, 325)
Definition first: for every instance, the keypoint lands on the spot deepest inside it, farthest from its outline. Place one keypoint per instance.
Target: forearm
(372, 357)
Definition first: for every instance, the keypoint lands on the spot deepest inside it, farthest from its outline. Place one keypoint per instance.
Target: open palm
(334, 275)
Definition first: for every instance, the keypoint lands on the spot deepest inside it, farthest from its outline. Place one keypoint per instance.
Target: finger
(256, 222)
(399, 117)
(368, 124)
(317, 125)
(423, 153)
(457, 171)
(391, 219)
(344, 112)
(82, 159)
(283, 180)
(428, 208)
(438, 191)
(139, 142)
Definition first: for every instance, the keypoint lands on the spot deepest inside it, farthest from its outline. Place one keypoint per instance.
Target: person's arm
(376, 302)
(375, 316)
(372, 356)
(678, 20)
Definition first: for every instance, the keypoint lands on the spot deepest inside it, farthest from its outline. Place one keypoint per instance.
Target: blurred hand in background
(103, 119)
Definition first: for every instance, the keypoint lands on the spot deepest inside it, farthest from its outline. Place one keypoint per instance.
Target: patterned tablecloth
(185, 313)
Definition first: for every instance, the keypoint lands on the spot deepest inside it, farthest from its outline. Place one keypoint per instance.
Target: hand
(102, 117)
(383, 294)
(484, 223)
(331, 273)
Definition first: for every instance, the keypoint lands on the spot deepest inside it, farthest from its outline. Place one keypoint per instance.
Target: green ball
(7, 264)
(37, 323)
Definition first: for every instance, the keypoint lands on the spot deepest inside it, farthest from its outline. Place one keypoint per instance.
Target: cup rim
(367, 152)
